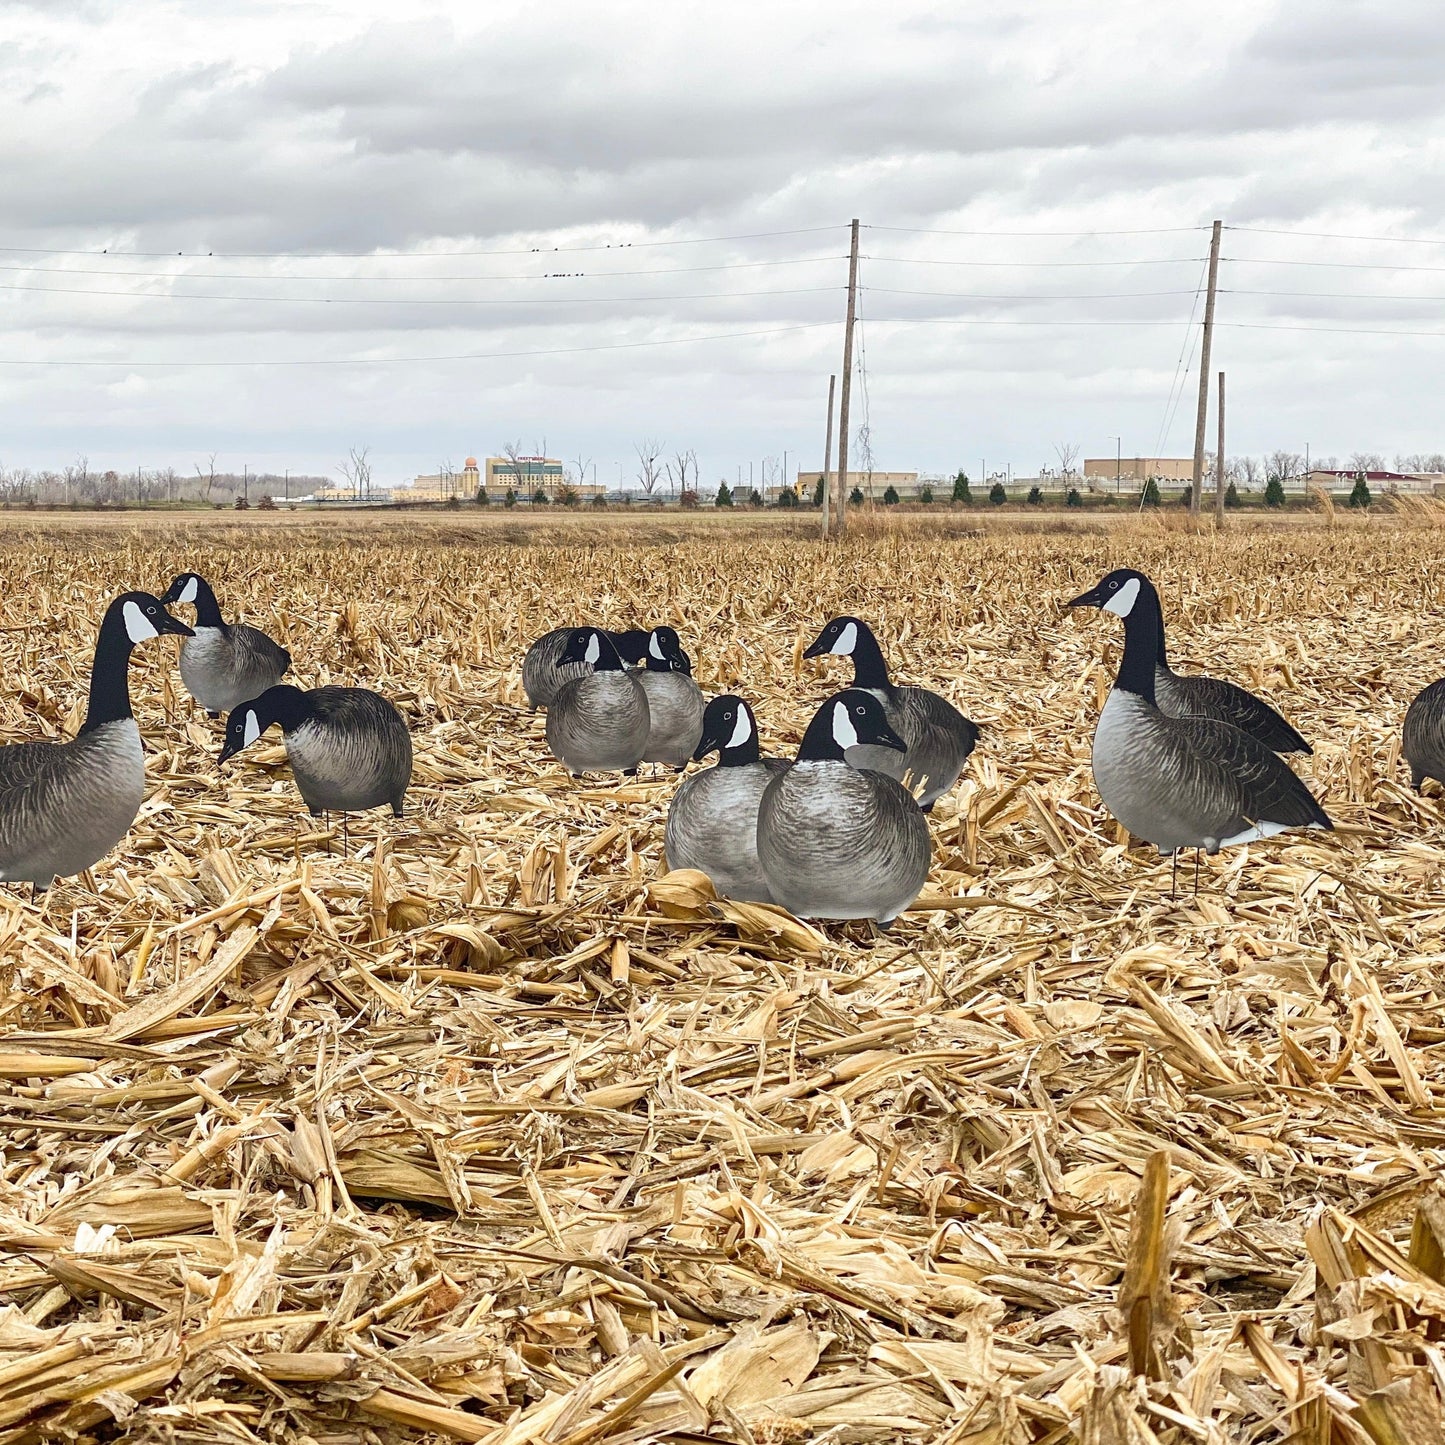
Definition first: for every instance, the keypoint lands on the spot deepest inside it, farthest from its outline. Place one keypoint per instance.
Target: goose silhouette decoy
(599, 722)
(836, 840)
(348, 747)
(223, 664)
(674, 701)
(938, 737)
(65, 805)
(1189, 782)
(712, 823)
(1424, 735)
(543, 671)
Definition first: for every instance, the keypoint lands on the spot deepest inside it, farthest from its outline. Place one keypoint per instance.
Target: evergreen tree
(1151, 497)
(756, 500)
(818, 491)
(961, 492)
(724, 496)
(1231, 496)
(855, 497)
(1185, 496)
(539, 499)
(925, 494)
(1360, 497)
(787, 497)
(997, 495)
(890, 497)
(482, 497)
(1274, 493)
(1073, 499)
(1036, 496)
(510, 499)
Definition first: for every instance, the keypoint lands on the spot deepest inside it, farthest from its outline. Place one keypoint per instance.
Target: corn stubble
(492, 1132)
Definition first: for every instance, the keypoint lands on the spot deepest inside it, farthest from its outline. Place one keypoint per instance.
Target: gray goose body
(544, 674)
(938, 737)
(1190, 782)
(65, 805)
(674, 709)
(598, 723)
(836, 841)
(348, 747)
(712, 822)
(224, 664)
(1424, 735)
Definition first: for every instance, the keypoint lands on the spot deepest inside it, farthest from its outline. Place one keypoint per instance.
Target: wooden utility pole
(1219, 460)
(840, 510)
(828, 457)
(1196, 491)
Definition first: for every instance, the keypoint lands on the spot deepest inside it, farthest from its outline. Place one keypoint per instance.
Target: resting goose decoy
(64, 806)
(1424, 736)
(937, 736)
(349, 748)
(712, 823)
(836, 840)
(223, 664)
(543, 672)
(599, 722)
(1189, 782)
(1200, 696)
(674, 701)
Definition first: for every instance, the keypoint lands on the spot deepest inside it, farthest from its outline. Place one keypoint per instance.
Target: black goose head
(848, 719)
(193, 588)
(142, 616)
(664, 652)
(730, 730)
(592, 646)
(1132, 596)
(132, 618)
(1118, 593)
(852, 637)
(282, 704)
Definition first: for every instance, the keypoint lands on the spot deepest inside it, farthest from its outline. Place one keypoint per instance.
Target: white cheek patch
(847, 641)
(594, 648)
(1122, 602)
(742, 731)
(654, 648)
(189, 591)
(253, 730)
(139, 627)
(844, 733)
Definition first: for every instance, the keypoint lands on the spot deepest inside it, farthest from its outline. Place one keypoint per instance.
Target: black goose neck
(1160, 656)
(608, 659)
(869, 668)
(110, 673)
(819, 745)
(1143, 631)
(283, 704)
(208, 610)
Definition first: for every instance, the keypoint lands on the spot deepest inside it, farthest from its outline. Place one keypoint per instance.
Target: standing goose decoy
(674, 701)
(712, 824)
(543, 672)
(1189, 782)
(224, 663)
(348, 748)
(64, 806)
(1200, 696)
(937, 736)
(1424, 737)
(836, 840)
(599, 722)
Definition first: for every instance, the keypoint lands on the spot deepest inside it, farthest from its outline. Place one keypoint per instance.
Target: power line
(1010, 321)
(1182, 367)
(409, 255)
(1053, 296)
(1332, 295)
(1338, 265)
(191, 365)
(1143, 231)
(1339, 330)
(1339, 235)
(1031, 265)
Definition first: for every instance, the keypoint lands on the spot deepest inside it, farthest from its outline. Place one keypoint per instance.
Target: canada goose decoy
(543, 673)
(1200, 696)
(599, 722)
(64, 806)
(937, 736)
(712, 823)
(1189, 782)
(224, 663)
(674, 701)
(1424, 737)
(348, 748)
(836, 840)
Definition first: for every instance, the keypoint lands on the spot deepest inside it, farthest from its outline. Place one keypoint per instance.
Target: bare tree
(513, 453)
(1249, 471)
(582, 464)
(863, 446)
(357, 471)
(1067, 453)
(683, 462)
(209, 475)
(1284, 465)
(649, 472)
(1366, 462)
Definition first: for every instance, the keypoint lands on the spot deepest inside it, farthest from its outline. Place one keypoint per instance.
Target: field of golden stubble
(486, 1131)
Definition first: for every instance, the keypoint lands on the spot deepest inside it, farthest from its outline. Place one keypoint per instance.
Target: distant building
(871, 484)
(1343, 478)
(1100, 471)
(526, 478)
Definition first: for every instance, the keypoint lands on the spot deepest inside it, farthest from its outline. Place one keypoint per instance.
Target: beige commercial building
(526, 478)
(1103, 470)
(871, 484)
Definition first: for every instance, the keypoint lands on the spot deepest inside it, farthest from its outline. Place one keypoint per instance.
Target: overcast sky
(363, 210)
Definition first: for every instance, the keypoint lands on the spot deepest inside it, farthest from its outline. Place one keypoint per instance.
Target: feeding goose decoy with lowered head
(938, 737)
(1200, 696)
(348, 747)
(543, 672)
(599, 722)
(712, 822)
(674, 701)
(223, 664)
(836, 840)
(1185, 782)
(65, 805)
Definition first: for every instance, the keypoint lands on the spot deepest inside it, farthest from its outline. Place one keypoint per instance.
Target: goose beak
(707, 743)
(1092, 598)
(171, 594)
(228, 750)
(887, 738)
(818, 649)
(166, 623)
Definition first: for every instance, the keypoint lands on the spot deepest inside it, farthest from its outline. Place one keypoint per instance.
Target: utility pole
(1197, 485)
(245, 482)
(840, 513)
(828, 456)
(1219, 460)
(288, 484)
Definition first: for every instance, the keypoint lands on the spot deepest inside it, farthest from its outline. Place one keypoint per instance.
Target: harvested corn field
(486, 1130)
